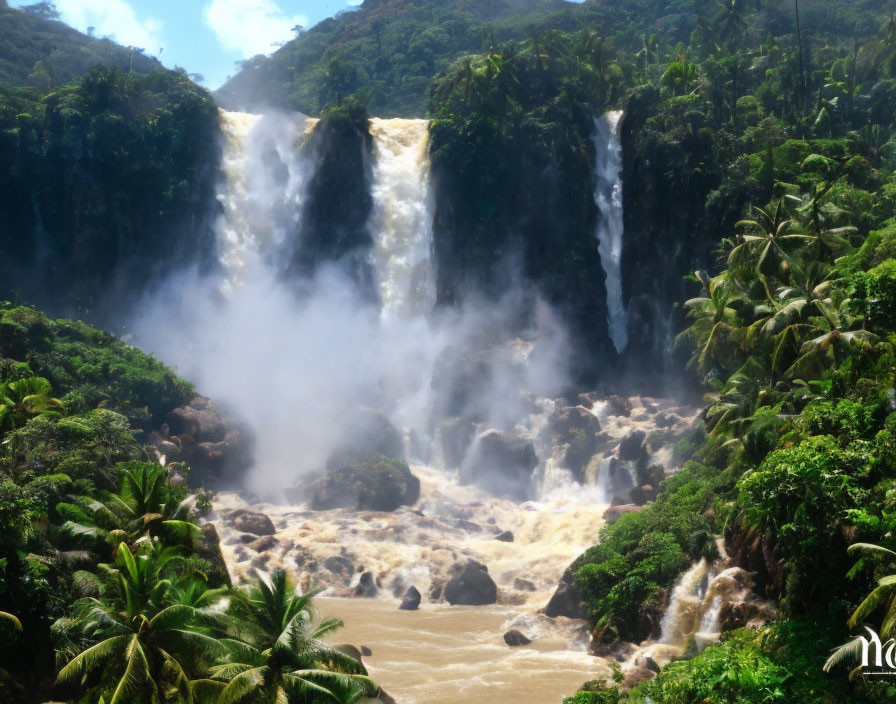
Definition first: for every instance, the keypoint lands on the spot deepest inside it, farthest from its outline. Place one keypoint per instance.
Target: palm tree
(680, 75)
(763, 243)
(27, 398)
(715, 323)
(146, 504)
(729, 22)
(278, 655)
(882, 598)
(140, 646)
(831, 335)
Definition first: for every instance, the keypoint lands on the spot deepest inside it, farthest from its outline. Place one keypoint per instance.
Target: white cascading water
(259, 207)
(692, 618)
(402, 221)
(608, 197)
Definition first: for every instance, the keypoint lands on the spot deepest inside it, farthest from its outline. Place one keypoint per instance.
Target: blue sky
(203, 36)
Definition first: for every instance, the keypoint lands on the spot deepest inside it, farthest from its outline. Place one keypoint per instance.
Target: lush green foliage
(641, 554)
(73, 479)
(88, 368)
(778, 664)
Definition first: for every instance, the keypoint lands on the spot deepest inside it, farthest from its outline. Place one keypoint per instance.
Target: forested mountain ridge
(387, 51)
(40, 51)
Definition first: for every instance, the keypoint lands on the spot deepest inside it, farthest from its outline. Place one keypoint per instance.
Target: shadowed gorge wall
(334, 223)
(106, 184)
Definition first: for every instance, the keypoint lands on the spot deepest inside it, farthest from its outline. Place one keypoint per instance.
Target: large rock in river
(377, 483)
(411, 600)
(471, 586)
(500, 463)
(252, 522)
(576, 428)
(568, 599)
(216, 450)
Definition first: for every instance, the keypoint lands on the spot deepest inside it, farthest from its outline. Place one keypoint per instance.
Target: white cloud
(114, 18)
(354, 3)
(250, 26)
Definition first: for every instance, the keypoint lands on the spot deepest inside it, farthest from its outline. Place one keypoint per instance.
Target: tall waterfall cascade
(260, 203)
(402, 219)
(608, 197)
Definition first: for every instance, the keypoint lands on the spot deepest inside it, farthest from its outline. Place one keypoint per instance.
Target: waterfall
(692, 620)
(262, 190)
(402, 220)
(608, 197)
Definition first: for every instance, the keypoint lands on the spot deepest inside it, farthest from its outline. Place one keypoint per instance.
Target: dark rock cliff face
(333, 227)
(676, 210)
(519, 213)
(105, 190)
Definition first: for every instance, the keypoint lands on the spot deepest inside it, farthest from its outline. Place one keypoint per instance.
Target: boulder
(209, 549)
(264, 543)
(500, 463)
(198, 419)
(252, 522)
(753, 614)
(411, 600)
(636, 676)
(618, 650)
(632, 447)
(576, 429)
(567, 599)
(377, 483)
(455, 436)
(653, 475)
(514, 638)
(648, 663)
(523, 585)
(505, 537)
(614, 513)
(216, 450)
(471, 586)
(365, 651)
(367, 586)
(618, 406)
(459, 376)
(642, 494)
(340, 566)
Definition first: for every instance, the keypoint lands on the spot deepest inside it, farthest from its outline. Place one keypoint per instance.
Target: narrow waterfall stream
(608, 196)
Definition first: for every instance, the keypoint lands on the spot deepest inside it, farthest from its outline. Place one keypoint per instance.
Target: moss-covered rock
(377, 483)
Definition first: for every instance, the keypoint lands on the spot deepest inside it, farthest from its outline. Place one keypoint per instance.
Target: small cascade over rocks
(608, 197)
(708, 599)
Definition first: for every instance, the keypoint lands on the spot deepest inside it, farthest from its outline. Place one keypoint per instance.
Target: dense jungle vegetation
(760, 177)
(109, 589)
